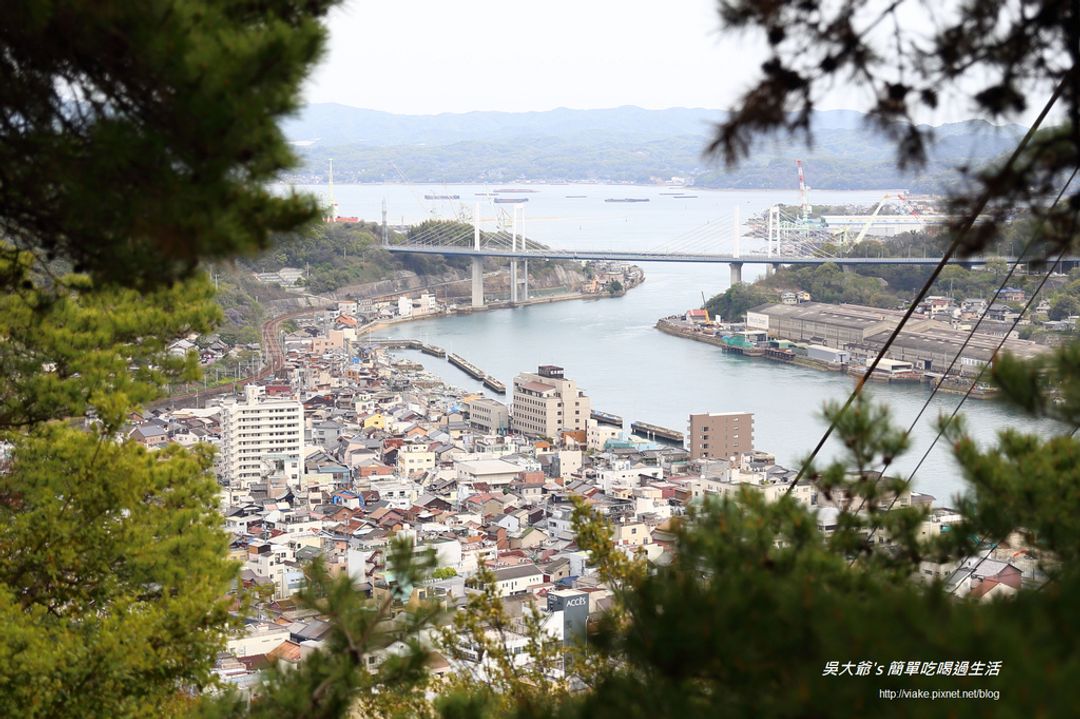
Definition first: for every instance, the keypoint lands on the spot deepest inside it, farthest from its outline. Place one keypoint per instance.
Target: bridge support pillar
(525, 282)
(477, 282)
(513, 281)
(847, 268)
(736, 273)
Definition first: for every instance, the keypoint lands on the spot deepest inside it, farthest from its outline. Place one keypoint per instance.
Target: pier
(466, 366)
(657, 433)
(612, 420)
(494, 384)
(476, 373)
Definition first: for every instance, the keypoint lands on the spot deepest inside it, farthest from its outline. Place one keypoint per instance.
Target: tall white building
(261, 435)
(547, 402)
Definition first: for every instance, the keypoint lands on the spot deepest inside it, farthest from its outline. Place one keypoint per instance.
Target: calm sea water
(628, 367)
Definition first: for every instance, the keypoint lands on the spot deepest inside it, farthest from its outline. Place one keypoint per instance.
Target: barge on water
(494, 384)
(465, 366)
(656, 433)
(613, 420)
(433, 350)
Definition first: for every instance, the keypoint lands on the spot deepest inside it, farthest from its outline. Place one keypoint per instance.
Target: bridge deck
(642, 256)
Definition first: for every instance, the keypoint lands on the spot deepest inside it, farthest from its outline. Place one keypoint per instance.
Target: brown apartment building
(721, 435)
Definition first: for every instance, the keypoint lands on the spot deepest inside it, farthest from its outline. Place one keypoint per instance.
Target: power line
(1004, 283)
(965, 227)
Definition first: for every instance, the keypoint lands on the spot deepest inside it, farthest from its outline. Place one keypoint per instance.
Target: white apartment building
(546, 402)
(261, 434)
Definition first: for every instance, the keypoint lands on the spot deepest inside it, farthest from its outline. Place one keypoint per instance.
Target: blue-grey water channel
(610, 346)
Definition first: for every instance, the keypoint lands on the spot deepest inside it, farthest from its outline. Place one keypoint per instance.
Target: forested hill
(626, 144)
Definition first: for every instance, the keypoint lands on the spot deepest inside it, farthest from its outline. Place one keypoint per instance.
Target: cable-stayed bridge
(773, 241)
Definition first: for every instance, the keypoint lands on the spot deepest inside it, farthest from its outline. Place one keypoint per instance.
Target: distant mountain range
(624, 144)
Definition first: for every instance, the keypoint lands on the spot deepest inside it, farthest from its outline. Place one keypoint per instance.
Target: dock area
(612, 420)
(494, 384)
(476, 373)
(657, 433)
(466, 366)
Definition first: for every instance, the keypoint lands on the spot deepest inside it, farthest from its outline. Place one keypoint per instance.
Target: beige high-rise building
(546, 402)
(260, 432)
(721, 435)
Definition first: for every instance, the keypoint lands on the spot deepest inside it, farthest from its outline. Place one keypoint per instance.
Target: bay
(611, 347)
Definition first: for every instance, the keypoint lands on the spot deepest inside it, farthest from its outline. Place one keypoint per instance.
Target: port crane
(901, 202)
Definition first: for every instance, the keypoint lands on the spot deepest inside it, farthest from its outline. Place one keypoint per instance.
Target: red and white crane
(804, 192)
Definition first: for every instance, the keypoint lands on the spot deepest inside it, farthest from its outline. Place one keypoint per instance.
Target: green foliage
(614, 287)
(496, 681)
(732, 304)
(139, 139)
(112, 574)
(757, 600)
(104, 348)
(142, 136)
(444, 573)
(829, 283)
(341, 254)
(373, 664)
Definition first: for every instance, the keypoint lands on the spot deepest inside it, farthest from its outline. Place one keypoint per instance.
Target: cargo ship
(514, 189)
(627, 199)
(576, 197)
(513, 200)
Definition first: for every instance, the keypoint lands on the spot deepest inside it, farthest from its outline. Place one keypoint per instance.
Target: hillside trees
(136, 140)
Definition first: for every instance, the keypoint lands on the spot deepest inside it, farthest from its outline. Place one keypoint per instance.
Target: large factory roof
(844, 315)
(920, 335)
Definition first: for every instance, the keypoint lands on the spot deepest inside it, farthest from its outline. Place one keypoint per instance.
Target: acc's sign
(576, 602)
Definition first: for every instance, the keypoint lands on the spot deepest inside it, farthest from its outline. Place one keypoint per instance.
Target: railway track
(272, 350)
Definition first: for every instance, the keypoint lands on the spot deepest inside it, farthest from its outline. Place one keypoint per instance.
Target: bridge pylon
(477, 263)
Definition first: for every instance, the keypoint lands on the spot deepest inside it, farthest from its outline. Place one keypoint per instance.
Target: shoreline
(670, 328)
(489, 307)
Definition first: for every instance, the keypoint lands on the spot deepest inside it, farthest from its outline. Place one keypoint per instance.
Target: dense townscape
(353, 444)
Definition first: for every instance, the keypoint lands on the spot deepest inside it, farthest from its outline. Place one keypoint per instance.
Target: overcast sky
(432, 56)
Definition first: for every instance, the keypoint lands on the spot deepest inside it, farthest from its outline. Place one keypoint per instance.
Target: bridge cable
(965, 227)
